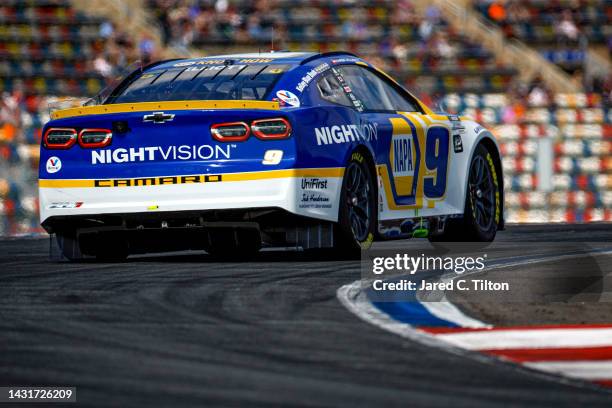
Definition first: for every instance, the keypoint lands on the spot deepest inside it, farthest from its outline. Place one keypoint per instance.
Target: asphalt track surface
(187, 330)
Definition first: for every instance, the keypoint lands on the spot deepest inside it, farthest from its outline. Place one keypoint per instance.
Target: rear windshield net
(218, 82)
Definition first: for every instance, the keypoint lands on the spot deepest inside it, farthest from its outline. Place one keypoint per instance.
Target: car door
(412, 151)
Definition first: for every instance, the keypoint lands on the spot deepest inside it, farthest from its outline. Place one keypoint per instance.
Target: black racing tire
(482, 212)
(357, 217)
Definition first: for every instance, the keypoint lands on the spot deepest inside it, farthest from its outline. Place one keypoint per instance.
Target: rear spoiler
(171, 105)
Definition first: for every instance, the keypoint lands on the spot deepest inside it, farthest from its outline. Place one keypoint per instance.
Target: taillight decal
(102, 138)
(69, 136)
(230, 132)
(271, 129)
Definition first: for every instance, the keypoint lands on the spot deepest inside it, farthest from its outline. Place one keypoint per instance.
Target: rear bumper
(308, 192)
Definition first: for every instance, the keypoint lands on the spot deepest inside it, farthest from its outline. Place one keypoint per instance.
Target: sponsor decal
(495, 181)
(159, 181)
(478, 129)
(346, 133)
(454, 118)
(358, 157)
(403, 155)
(288, 98)
(255, 60)
(54, 164)
(314, 193)
(65, 205)
(310, 75)
(156, 153)
(368, 242)
(343, 60)
(348, 91)
(457, 130)
(314, 200)
(221, 61)
(457, 143)
(190, 63)
(211, 68)
(314, 184)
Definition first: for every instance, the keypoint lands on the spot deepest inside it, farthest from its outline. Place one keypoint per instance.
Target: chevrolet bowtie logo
(158, 117)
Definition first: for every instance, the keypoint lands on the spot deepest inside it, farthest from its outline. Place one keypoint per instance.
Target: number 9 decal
(418, 162)
(436, 161)
(272, 157)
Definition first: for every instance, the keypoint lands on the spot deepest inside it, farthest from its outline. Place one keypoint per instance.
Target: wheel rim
(482, 193)
(358, 201)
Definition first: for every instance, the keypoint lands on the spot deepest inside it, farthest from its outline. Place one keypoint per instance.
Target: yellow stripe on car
(153, 106)
(188, 179)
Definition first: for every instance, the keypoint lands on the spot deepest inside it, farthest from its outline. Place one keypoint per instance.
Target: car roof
(279, 57)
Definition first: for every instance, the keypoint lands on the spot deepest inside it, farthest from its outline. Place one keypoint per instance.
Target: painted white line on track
(530, 338)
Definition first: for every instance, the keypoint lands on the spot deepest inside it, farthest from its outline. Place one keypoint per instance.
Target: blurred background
(537, 72)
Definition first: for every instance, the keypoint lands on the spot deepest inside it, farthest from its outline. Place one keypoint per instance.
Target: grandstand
(562, 31)
(422, 51)
(52, 48)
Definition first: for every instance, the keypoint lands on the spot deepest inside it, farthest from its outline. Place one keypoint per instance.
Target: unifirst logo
(346, 133)
(403, 156)
(153, 153)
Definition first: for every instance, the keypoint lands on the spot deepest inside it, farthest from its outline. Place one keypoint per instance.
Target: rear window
(217, 82)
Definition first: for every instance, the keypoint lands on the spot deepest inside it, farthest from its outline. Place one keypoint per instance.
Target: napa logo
(403, 155)
(54, 164)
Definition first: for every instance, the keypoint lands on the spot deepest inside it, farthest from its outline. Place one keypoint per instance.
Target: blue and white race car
(231, 153)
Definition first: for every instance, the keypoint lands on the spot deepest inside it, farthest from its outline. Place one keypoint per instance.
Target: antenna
(272, 49)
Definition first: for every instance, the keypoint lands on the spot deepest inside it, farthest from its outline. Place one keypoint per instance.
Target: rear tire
(482, 210)
(357, 223)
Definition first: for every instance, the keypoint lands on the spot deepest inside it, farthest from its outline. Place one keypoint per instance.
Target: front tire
(357, 222)
(482, 211)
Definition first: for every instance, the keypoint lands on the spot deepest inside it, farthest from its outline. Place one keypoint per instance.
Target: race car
(232, 153)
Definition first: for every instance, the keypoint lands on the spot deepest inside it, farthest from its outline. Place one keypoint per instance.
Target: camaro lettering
(152, 153)
(158, 181)
(346, 133)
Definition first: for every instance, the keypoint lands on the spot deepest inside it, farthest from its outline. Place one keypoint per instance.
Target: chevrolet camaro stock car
(231, 153)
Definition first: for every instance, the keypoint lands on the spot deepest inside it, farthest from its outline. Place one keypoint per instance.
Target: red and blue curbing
(582, 352)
